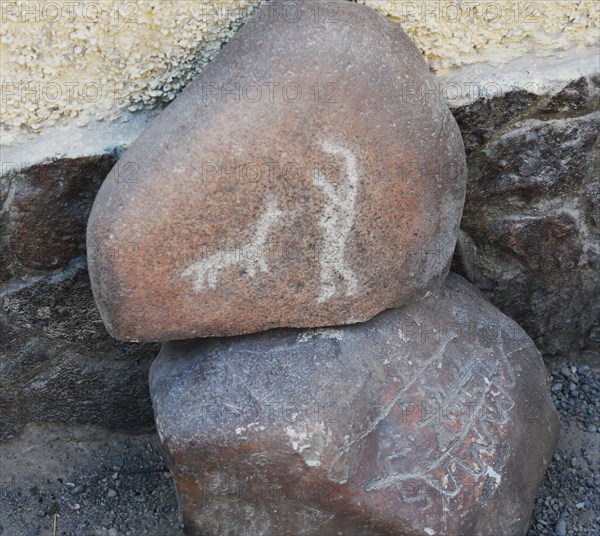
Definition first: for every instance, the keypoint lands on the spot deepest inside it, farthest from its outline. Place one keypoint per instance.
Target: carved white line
(205, 271)
(449, 459)
(337, 221)
(437, 356)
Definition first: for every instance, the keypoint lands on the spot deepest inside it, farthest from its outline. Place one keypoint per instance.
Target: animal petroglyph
(205, 271)
(336, 222)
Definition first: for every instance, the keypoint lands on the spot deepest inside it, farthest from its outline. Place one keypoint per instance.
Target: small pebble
(583, 369)
(561, 528)
(113, 532)
(77, 490)
(112, 493)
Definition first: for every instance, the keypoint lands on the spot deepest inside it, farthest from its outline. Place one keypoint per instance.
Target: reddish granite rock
(301, 180)
(431, 419)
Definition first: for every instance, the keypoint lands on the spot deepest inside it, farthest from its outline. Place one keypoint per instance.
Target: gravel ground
(92, 483)
(568, 502)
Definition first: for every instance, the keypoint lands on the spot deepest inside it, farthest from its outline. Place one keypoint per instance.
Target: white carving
(336, 222)
(205, 271)
(478, 386)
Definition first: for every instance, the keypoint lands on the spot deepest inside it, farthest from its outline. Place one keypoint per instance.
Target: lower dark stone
(434, 418)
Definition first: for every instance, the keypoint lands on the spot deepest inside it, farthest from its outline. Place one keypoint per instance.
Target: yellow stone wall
(70, 61)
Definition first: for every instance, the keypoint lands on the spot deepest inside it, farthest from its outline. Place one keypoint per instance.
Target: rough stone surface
(46, 207)
(57, 362)
(431, 419)
(557, 308)
(530, 233)
(291, 184)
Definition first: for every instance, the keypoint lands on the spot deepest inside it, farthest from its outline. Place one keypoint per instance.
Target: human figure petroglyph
(336, 222)
(205, 271)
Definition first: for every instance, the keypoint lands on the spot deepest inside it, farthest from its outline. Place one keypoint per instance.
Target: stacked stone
(299, 204)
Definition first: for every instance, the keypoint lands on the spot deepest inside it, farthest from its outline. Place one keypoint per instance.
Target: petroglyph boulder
(301, 180)
(431, 419)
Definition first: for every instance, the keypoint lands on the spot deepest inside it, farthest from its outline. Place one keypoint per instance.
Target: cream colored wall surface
(93, 59)
(68, 62)
(454, 33)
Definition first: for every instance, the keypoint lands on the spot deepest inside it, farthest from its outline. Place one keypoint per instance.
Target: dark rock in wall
(548, 158)
(57, 362)
(59, 305)
(530, 233)
(47, 206)
(81, 389)
(592, 199)
(482, 120)
(575, 96)
(546, 243)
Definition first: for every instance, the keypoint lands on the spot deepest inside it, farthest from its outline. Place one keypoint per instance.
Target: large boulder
(431, 419)
(296, 182)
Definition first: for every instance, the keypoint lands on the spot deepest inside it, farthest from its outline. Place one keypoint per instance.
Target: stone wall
(530, 233)
(523, 85)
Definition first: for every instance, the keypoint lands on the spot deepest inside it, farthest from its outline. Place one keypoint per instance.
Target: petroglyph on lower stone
(484, 392)
(406, 432)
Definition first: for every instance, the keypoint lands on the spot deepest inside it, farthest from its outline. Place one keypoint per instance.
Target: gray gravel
(94, 483)
(568, 501)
